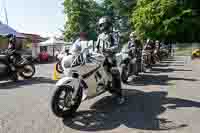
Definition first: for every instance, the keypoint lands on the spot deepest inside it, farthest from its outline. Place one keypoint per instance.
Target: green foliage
(81, 17)
(157, 19)
(120, 12)
(164, 19)
(120, 7)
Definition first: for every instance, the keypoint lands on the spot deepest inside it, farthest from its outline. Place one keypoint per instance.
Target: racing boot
(116, 85)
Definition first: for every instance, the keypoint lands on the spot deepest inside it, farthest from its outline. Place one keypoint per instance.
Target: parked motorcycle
(164, 52)
(84, 79)
(12, 66)
(147, 60)
(126, 59)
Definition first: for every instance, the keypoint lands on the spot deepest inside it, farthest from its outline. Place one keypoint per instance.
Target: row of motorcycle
(141, 62)
(140, 65)
(86, 78)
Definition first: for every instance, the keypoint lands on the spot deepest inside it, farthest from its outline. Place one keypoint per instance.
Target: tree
(120, 12)
(81, 17)
(165, 19)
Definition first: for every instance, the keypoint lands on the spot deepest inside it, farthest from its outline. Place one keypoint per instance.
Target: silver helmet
(104, 23)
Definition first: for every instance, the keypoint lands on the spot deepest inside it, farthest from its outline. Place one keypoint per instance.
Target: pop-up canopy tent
(5, 30)
(53, 42)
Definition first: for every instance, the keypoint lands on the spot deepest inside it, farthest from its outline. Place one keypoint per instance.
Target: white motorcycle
(84, 79)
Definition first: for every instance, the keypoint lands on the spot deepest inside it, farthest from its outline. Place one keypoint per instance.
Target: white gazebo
(5, 30)
(53, 44)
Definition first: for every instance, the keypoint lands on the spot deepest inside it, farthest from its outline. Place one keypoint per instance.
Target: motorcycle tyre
(28, 77)
(65, 114)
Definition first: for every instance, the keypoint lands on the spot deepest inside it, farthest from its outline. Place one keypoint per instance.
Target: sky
(43, 17)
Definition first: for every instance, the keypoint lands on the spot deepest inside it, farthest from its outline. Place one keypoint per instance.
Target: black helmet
(105, 23)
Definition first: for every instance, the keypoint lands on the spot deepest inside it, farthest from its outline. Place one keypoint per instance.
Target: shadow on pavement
(34, 80)
(170, 59)
(161, 70)
(179, 103)
(176, 65)
(140, 111)
(147, 79)
(160, 65)
(170, 62)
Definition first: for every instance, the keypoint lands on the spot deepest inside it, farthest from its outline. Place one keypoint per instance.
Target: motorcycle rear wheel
(60, 110)
(27, 67)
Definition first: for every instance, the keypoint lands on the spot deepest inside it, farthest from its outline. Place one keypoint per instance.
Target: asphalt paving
(164, 100)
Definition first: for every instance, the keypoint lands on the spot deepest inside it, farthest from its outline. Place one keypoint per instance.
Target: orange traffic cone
(56, 75)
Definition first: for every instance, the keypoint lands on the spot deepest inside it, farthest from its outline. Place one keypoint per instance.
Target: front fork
(79, 84)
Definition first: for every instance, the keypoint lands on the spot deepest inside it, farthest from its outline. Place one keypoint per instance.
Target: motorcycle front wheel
(27, 71)
(62, 104)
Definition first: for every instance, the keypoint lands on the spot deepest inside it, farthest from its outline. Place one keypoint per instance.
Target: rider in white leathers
(108, 43)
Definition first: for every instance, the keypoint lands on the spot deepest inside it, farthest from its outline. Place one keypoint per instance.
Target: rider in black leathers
(12, 55)
(148, 52)
(108, 43)
(14, 60)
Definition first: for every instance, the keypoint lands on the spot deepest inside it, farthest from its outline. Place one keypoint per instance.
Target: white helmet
(104, 23)
(104, 19)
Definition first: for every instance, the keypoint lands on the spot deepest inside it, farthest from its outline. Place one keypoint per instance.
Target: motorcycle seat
(4, 57)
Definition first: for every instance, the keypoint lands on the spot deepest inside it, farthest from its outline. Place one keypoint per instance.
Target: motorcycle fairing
(90, 74)
(74, 82)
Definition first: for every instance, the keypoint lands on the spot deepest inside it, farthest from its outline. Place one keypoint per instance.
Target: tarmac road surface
(165, 100)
